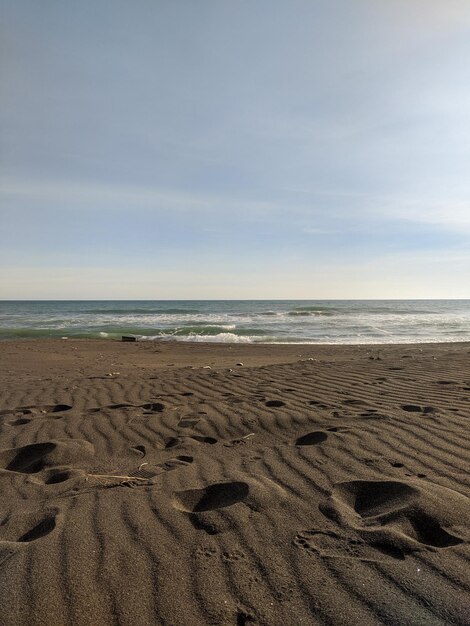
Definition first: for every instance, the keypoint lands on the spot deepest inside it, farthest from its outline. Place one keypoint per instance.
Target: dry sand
(139, 488)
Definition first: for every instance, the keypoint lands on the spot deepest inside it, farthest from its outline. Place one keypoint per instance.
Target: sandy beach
(186, 484)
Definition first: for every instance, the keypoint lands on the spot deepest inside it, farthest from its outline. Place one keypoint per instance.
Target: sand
(310, 485)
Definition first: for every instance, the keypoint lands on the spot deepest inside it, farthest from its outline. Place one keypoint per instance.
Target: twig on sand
(111, 476)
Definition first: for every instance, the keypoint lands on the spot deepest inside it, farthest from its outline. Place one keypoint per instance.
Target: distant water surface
(236, 321)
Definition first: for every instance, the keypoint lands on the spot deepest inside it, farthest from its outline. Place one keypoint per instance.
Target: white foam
(193, 338)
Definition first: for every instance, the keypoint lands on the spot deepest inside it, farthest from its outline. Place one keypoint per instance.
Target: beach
(186, 484)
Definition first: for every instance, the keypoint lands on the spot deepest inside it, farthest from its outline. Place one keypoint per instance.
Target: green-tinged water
(265, 321)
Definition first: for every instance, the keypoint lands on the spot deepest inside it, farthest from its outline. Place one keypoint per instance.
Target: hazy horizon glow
(235, 150)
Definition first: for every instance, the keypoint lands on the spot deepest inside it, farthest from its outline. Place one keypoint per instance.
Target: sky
(172, 149)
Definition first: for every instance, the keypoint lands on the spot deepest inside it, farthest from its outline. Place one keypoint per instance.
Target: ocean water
(262, 321)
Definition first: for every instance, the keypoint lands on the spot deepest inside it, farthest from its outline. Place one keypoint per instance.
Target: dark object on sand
(128, 338)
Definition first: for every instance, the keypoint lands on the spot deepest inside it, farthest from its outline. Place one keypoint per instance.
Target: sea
(241, 321)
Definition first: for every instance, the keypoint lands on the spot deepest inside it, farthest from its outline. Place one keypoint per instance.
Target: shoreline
(107, 356)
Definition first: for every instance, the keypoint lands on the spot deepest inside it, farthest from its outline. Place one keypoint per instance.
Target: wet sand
(162, 483)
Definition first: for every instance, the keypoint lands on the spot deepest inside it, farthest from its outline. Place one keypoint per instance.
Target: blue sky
(235, 149)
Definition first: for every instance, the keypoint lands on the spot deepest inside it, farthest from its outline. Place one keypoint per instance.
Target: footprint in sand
(415, 408)
(172, 442)
(49, 411)
(152, 407)
(274, 403)
(25, 528)
(318, 436)
(188, 422)
(390, 518)
(245, 619)
(311, 439)
(203, 506)
(149, 407)
(36, 457)
(28, 459)
(329, 544)
(19, 422)
(318, 404)
(239, 441)
(56, 477)
(140, 450)
(354, 402)
(373, 414)
(215, 496)
(42, 529)
(218, 507)
(178, 461)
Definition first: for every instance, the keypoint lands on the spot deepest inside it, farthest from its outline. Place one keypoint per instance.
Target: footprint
(153, 407)
(17, 411)
(398, 518)
(150, 407)
(245, 619)
(188, 422)
(42, 529)
(37, 410)
(354, 402)
(201, 439)
(311, 439)
(53, 408)
(318, 404)
(412, 408)
(338, 429)
(113, 407)
(233, 556)
(212, 497)
(415, 408)
(329, 544)
(172, 442)
(371, 498)
(140, 449)
(28, 459)
(373, 414)
(36, 457)
(178, 461)
(239, 441)
(55, 477)
(26, 527)
(275, 403)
